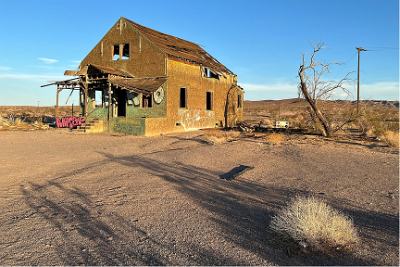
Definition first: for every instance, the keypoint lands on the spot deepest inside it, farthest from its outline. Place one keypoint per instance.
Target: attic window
(120, 51)
(115, 52)
(125, 51)
(209, 74)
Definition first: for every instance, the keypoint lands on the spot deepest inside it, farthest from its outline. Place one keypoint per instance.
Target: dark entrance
(121, 102)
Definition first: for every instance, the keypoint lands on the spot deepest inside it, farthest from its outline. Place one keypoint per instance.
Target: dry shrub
(15, 123)
(275, 138)
(216, 137)
(391, 138)
(299, 121)
(315, 226)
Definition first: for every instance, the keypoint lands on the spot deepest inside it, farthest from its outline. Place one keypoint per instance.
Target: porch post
(109, 102)
(85, 84)
(56, 108)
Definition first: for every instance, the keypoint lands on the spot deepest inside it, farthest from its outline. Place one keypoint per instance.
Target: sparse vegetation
(315, 226)
(216, 137)
(391, 138)
(276, 138)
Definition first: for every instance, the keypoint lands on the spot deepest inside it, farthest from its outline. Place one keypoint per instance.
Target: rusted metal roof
(181, 49)
(139, 85)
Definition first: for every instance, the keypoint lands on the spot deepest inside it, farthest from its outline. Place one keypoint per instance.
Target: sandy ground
(98, 199)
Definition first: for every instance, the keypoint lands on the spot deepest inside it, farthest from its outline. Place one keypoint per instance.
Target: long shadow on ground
(241, 209)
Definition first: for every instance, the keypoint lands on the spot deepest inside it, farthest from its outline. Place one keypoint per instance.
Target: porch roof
(139, 85)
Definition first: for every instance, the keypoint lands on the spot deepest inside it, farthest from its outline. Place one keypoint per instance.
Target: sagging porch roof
(139, 85)
(118, 78)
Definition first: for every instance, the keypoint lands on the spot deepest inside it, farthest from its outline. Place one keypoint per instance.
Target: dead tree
(313, 88)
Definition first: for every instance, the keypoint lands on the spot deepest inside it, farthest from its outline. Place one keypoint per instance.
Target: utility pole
(358, 78)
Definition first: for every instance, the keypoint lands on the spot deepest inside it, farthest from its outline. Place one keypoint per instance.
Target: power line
(345, 65)
(383, 48)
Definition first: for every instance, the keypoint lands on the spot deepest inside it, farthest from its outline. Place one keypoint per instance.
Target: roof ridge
(141, 26)
(179, 48)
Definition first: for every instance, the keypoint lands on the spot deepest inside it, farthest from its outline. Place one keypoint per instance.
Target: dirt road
(69, 199)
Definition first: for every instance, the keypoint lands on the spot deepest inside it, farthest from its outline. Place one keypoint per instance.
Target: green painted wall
(128, 125)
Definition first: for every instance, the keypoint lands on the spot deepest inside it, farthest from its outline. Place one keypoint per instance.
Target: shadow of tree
(243, 210)
(89, 237)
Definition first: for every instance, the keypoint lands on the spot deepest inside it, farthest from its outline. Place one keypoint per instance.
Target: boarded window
(240, 100)
(183, 98)
(147, 101)
(209, 101)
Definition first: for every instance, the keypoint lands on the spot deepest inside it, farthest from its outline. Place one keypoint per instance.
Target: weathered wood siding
(145, 59)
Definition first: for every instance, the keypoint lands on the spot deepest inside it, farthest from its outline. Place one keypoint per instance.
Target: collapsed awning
(139, 85)
(68, 84)
(92, 69)
(119, 78)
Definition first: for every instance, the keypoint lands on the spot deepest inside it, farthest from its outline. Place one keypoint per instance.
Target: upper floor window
(120, 51)
(209, 74)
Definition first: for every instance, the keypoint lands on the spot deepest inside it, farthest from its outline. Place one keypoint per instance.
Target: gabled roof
(178, 48)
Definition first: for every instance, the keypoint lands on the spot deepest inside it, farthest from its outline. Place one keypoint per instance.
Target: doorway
(121, 97)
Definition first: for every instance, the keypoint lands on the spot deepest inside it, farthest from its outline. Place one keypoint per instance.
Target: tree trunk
(303, 86)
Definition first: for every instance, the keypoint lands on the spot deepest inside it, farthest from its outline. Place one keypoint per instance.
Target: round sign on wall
(159, 95)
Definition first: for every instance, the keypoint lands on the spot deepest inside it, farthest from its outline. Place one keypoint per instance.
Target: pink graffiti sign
(70, 122)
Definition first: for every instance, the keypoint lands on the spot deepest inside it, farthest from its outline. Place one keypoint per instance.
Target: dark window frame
(147, 101)
(209, 100)
(120, 51)
(240, 101)
(183, 98)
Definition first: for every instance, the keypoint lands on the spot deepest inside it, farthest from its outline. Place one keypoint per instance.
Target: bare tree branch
(313, 88)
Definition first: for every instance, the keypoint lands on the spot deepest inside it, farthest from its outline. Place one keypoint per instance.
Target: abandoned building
(140, 81)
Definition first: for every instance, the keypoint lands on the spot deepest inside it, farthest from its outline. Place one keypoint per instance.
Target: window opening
(115, 52)
(98, 99)
(209, 101)
(147, 101)
(239, 105)
(125, 51)
(210, 74)
(183, 98)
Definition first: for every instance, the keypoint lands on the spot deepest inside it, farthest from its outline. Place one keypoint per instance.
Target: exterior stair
(91, 125)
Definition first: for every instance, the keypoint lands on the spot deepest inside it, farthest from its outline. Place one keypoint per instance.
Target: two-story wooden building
(141, 81)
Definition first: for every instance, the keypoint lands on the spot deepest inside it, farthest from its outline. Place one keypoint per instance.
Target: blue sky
(260, 41)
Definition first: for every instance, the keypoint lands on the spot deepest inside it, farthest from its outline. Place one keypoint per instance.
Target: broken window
(147, 101)
(239, 105)
(120, 51)
(183, 98)
(115, 52)
(209, 74)
(125, 51)
(209, 101)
